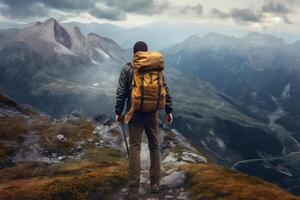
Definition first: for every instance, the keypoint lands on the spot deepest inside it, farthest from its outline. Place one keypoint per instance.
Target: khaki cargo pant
(140, 121)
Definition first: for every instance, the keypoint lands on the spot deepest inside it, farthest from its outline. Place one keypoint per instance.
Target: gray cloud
(16, 9)
(70, 4)
(155, 8)
(130, 5)
(276, 7)
(58, 4)
(110, 9)
(41, 8)
(241, 16)
(197, 9)
(138, 6)
(279, 9)
(14, 3)
(246, 15)
(218, 13)
(108, 13)
(293, 2)
(286, 20)
(118, 10)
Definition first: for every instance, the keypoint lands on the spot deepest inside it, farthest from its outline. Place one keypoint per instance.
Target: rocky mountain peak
(210, 39)
(94, 35)
(51, 30)
(60, 34)
(216, 38)
(193, 39)
(296, 44)
(78, 31)
(38, 23)
(263, 38)
(51, 20)
(214, 35)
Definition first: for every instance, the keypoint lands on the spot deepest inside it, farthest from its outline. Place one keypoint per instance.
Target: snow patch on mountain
(286, 91)
(220, 143)
(102, 52)
(277, 114)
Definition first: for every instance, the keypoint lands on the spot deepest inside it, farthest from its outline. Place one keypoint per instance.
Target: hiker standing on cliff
(143, 88)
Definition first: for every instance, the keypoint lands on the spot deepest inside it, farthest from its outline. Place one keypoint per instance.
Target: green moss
(93, 159)
(73, 132)
(103, 156)
(73, 168)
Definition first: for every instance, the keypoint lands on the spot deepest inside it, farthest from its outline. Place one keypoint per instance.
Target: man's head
(140, 46)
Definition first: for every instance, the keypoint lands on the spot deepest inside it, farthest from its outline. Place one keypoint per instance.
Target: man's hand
(119, 119)
(168, 118)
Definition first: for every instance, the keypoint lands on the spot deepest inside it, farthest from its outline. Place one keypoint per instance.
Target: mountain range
(235, 99)
(259, 71)
(47, 60)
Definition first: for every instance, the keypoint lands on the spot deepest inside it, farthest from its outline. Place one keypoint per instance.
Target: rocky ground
(68, 144)
(79, 158)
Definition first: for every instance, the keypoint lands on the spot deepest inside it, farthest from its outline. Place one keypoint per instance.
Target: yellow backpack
(148, 92)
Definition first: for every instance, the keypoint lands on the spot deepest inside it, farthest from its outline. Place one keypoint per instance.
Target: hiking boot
(155, 188)
(133, 193)
(132, 196)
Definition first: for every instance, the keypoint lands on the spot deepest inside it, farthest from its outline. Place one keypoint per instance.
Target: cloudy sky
(252, 15)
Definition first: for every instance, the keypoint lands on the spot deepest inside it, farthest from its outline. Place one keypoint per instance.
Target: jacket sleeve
(122, 92)
(168, 108)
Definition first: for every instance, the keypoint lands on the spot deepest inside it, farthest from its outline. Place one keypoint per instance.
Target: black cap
(140, 46)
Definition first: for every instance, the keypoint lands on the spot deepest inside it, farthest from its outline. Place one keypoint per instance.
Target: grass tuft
(210, 182)
(97, 184)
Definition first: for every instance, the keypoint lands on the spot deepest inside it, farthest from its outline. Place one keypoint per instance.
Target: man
(140, 121)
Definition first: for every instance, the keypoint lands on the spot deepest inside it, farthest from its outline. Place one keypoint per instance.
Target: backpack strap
(142, 90)
(130, 64)
(158, 82)
(129, 68)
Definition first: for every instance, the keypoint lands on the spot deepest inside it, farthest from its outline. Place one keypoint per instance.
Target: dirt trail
(166, 192)
(175, 152)
(169, 189)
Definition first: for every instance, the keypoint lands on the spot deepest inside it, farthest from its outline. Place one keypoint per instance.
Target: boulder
(61, 137)
(175, 179)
